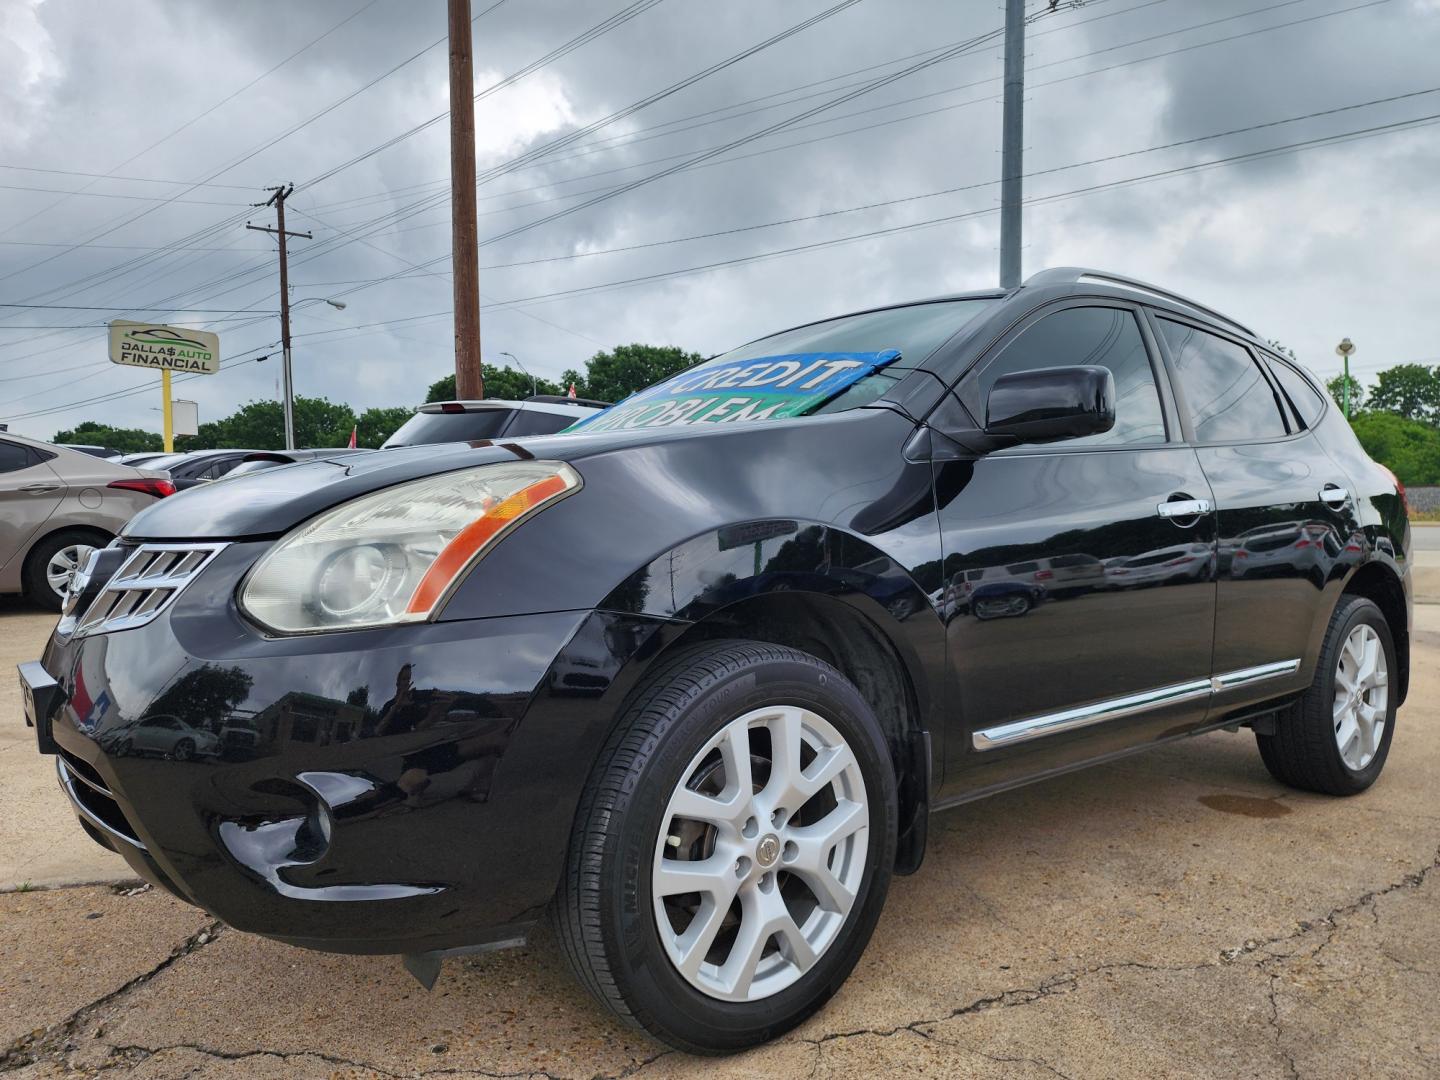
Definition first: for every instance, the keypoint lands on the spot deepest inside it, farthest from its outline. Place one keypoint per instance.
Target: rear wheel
(53, 562)
(732, 850)
(1336, 738)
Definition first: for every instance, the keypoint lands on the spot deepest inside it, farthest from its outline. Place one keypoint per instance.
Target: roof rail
(566, 399)
(1068, 274)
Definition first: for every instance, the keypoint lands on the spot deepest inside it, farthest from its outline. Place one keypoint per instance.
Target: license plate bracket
(41, 695)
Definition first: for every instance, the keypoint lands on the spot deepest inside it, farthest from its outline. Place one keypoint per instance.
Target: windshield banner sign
(763, 388)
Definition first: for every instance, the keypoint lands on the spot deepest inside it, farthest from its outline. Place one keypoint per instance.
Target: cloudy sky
(134, 134)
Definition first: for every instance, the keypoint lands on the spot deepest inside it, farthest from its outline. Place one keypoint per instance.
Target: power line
(636, 7)
(1368, 132)
(550, 159)
(794, 143)
(250, 153)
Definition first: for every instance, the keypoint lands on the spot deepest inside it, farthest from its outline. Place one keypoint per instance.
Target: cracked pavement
(1173, 914)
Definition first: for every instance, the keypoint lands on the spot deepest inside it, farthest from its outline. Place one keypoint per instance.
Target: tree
(129, 440)
(260, 425)
(1336, 386)
(1409, 449)
(500, 382)
(377, 425)
(1408, 390)
(611, 376)
(203, 696)
(441, 390)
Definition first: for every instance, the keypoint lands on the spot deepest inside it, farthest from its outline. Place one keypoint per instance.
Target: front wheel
(732, 850)
(1336, 737)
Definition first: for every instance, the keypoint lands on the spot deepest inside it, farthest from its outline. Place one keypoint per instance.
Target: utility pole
(465, 239)
(1012, 144)
(277, 200)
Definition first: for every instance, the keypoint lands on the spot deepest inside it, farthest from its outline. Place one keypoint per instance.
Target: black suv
(692, 678)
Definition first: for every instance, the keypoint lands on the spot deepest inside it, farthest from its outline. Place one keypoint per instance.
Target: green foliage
(1336, 386)
(203, 694)
(614, 375)
(441, 390)
(320, 423)
(1408, 390)
(377, 425)
(260, 425)
(1409, 449)
(128, 440)
(500, 382)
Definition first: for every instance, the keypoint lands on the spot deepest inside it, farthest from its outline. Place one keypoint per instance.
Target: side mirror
(1051, 403)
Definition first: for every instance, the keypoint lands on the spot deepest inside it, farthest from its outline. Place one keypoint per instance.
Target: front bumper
(394, 790)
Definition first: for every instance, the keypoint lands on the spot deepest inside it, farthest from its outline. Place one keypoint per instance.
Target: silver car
(56, 506)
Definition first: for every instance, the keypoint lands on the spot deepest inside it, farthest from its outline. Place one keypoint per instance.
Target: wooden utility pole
(277, 200)
(464, 242)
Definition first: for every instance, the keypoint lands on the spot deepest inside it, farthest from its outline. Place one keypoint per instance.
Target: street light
(289, 400)
(1345, 349)
(533, 384)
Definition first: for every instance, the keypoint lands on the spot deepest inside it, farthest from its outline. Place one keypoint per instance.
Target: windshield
(425, 428)
(831, 366)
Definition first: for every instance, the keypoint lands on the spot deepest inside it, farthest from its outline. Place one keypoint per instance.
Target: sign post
(168, 348)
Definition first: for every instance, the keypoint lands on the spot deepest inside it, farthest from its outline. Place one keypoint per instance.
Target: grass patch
(1425, 517)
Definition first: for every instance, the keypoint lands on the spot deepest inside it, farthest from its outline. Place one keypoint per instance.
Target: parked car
(200, 466)
(162, 736)
(260, 460)
(492, 418)
(712, 811)
(144, 457)
(104, 452)
(56, 506)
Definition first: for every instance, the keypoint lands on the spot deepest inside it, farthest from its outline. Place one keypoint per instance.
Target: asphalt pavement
(1174, 914)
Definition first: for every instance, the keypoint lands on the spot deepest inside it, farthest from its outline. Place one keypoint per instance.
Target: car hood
(271, 502)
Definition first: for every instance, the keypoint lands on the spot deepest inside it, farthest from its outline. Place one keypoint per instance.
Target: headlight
(394, 556)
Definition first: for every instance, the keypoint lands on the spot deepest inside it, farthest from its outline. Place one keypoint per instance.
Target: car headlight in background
(393, 556)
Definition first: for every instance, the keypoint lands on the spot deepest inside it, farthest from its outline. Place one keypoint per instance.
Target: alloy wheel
(1361, 696)
(761, 853)
(64, 565)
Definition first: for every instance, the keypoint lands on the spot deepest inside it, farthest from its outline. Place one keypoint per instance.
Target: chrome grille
(146, 583)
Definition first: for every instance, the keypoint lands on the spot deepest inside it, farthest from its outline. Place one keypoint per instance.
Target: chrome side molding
(1035, 727)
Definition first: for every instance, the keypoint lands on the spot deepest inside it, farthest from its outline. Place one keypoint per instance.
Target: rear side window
(1302, 393)
(425, 428)
(1227, 394)
(537, 422)
(13, 457)
(1101, 336)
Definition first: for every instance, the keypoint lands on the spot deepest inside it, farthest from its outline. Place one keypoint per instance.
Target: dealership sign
(150, 345)
(761, 388)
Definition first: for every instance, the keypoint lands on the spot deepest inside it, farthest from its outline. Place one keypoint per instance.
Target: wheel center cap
(767, 851)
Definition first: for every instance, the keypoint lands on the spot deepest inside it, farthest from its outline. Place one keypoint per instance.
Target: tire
(1305, 751)
(36, 575)
(183, 750)
(609, 906)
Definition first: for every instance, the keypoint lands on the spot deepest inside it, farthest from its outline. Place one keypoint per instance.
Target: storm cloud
(1306, 245)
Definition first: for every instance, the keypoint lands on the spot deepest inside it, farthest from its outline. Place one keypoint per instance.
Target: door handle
(1183, 508)
(1333, 495)
(38, 488)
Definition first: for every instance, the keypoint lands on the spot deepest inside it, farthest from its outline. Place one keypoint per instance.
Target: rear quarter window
(1307, 401)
